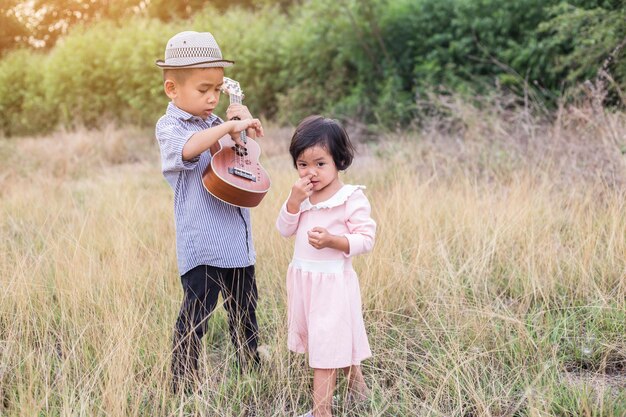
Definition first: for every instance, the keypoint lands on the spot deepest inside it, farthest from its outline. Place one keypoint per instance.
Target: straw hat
(193, 50)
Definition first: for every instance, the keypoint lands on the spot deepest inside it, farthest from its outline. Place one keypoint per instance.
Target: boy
(213, 239)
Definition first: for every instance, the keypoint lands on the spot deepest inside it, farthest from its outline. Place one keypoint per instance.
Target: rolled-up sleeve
(362, 228)
(172, 137)
(287, 223)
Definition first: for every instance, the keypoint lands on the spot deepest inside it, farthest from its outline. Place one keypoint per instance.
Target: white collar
(337, 199)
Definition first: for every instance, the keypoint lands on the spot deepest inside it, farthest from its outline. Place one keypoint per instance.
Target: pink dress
(323, 296)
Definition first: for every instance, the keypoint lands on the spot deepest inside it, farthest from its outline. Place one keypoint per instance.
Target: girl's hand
(319, 238)
(241, 112)
(301, 190)
(237, 126)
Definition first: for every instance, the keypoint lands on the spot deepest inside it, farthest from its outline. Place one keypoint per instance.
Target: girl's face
(319, 165)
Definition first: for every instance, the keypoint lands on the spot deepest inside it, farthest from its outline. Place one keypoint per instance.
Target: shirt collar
(174, 111)
(337, 199)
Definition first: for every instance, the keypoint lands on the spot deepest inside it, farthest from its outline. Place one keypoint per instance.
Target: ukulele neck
(237, 99)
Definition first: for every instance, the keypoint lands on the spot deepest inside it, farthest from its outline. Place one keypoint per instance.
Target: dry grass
(499, 270)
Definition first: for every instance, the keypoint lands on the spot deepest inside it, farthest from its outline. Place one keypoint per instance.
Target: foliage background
(373, 61)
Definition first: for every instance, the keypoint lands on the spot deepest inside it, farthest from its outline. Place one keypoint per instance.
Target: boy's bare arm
(204, 139)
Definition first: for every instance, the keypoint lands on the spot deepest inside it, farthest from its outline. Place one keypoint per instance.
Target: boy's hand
(237, 110)
(237, 126)
(301, 190)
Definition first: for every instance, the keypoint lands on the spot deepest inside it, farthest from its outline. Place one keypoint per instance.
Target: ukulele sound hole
(240, 151)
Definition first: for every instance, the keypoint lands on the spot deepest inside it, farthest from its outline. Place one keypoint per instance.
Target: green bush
(23, 108)
(579, 41)
(371, 60)
(255, 42)
(107, 72)
(80, 81)
(138, 81)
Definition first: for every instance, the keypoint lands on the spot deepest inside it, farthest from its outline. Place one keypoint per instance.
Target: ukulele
(235, 175)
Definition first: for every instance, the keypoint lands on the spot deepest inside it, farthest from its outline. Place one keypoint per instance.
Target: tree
(55, 17)
(166, 10)
(12, 31)
(40, 23)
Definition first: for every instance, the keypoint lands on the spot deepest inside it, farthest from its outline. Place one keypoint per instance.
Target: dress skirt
(325, 317)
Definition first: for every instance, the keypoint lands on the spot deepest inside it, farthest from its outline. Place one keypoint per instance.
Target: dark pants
(201, 287)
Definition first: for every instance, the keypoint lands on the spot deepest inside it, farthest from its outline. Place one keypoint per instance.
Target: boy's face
(198, 93)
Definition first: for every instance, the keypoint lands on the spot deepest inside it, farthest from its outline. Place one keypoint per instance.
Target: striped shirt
(208, 231)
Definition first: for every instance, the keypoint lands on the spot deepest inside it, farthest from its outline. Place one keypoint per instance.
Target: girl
(332, 223)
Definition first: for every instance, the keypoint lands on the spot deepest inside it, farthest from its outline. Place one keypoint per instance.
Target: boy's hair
(178, 75)
(329, 134)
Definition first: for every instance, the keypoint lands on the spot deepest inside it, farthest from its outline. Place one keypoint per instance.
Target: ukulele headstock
(232, 88)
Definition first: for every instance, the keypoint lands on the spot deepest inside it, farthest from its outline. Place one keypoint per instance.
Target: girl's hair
(327, 133)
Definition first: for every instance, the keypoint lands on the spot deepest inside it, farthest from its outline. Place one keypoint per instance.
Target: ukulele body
(235, 175)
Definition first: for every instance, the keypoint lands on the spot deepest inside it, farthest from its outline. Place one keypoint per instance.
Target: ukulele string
(238, 158)
(242, 136)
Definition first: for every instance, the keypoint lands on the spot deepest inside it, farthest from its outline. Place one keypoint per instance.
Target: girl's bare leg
(356, 383)
(324, 381)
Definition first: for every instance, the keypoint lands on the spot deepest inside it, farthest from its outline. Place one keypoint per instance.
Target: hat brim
(205, 64)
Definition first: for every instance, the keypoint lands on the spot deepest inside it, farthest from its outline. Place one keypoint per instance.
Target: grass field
(497, 286)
